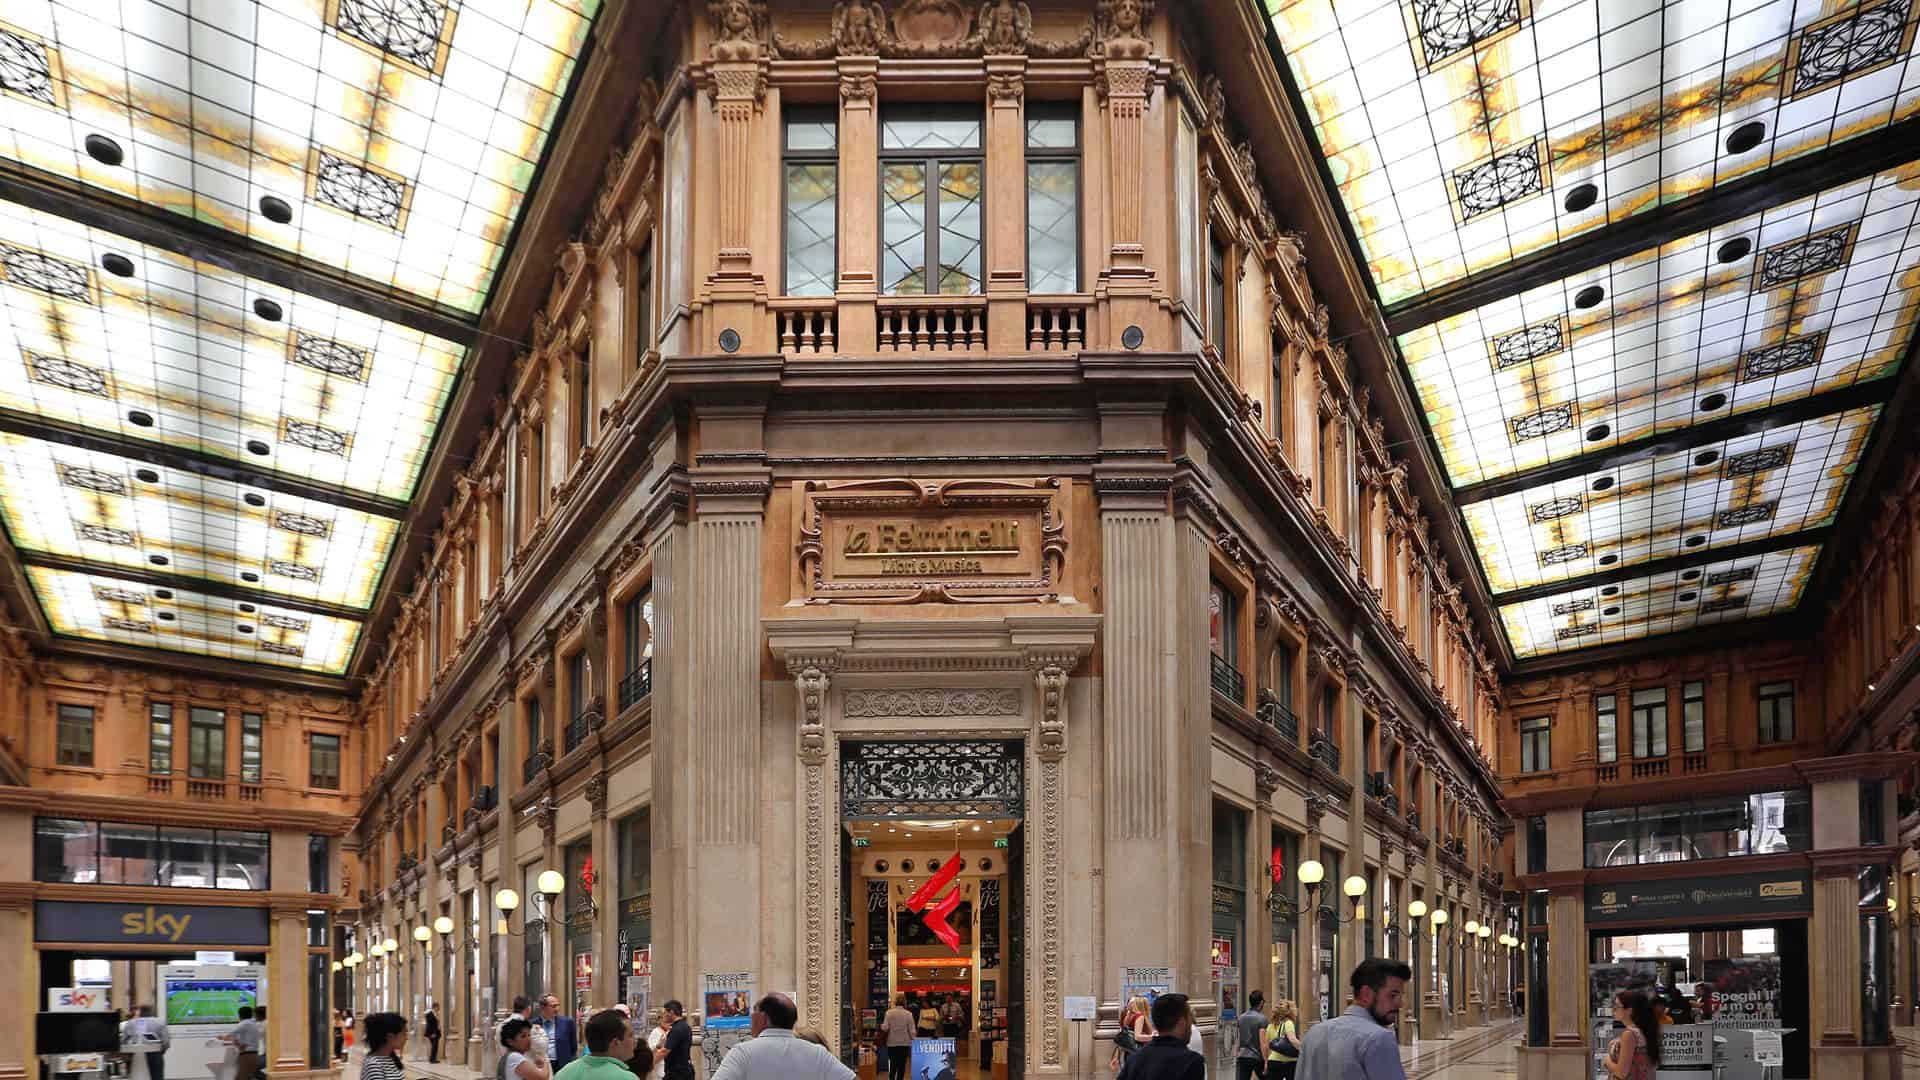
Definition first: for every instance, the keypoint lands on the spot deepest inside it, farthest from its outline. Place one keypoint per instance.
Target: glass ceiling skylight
(1463, 133)
(395, 139)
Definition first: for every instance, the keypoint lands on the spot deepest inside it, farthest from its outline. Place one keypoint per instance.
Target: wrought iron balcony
(1278, 717)
(1227, 679)
(533, 766)
(1325, 751)
(636, 684)
(577, 729)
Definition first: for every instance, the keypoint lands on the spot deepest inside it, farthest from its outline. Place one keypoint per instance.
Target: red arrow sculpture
(935, 916)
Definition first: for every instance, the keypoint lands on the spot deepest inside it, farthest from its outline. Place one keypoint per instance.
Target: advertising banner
(1744, 992)
(1686, 1044)
(148, 924)
(726, 1005)
(1146, 982)
(933, 1059)
(1761, 895)
(878, 970)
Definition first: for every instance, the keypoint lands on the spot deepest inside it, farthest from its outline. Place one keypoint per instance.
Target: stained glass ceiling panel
(100, 607)
(1811, 296)
(1667, 602)
(1749, 488)
(183, 354)
(392, 139)
(1461, 134)
(68, 501)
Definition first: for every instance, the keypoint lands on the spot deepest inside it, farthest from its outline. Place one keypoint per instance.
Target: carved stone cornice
(812, 673)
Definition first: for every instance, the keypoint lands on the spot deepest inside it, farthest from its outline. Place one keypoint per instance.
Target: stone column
(812, 672)
(1126, 82)
(606, 918)
(1046, 878)
(287, 976)
(1259, 941)
(476, 951)
(674, 967)
(20, 995)
(1006, 197)
(859, 201)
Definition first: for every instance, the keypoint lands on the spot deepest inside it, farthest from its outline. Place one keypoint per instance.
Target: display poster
(639, 987)
(990, 892)
(1744, 991)
(878, 970)
(582, 988)
(1686, 1044)
(933, 1059)
(1607, 980)
(1146, 982)
(726, 1007)
(1768, 1048)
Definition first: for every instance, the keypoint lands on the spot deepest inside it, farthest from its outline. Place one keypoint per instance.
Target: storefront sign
(1700, 898)
(148, 924)
(76, 999)
(932, 540)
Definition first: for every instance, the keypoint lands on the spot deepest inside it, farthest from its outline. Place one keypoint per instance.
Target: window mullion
(931, 233)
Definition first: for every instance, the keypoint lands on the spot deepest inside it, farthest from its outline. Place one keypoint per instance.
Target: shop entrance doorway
(195, 1003)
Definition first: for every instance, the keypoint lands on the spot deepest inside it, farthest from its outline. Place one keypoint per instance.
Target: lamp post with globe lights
(1416, 914)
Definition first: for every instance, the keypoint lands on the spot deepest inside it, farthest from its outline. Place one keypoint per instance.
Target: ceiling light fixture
(104, 150)
(1746, 137)
(1582, 197)
(267, 309)
(117, 264)
(1589, 297)
(276, 209)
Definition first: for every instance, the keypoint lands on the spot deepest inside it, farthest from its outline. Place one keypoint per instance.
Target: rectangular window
(250, 748)
(242, 860)
(1216, 295)
(1053, 198)
(1710, 827)
(66, 850)
(75, 736)
(1282, 377)
(129, 854)
(186, 858)
(323, 762)
(1536, 845)
(1283, 659)
(207, 744)
(932, 182)
(1221, 618)
(1229, 886)
(319, 864)
(578, 689)
(636, 672)
(1536, 745)
(1650, 722)
(1693, 717)
(160, 738)
(1606, 723)
(1187, 212)
(534, 734)
(643, 302)
(1776, 712)
(582, 389)
(812, 196)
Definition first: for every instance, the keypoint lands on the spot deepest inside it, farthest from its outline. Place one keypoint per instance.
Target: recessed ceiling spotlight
(104, 150)
(1582, 197)
(157, 560)
(1734, 250)
(164, 616)
(276, 209)
(1589, 296)
(146, 476)
(267, 309)
(1712, 402)
(245, 629)
(138, 418)
(1746, 137)
(1696, 540)
(1602, 483)
(1706, 457)
(163, 594)
(1690, 575)
(255, 446)
(246, 609)
(117, 264)
(1598, 432)
(254, 498)
(249, 576)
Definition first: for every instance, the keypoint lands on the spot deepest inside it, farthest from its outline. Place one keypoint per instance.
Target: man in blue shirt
(1359, 1044)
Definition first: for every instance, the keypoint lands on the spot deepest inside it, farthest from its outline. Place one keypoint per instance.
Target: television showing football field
(209, 1001)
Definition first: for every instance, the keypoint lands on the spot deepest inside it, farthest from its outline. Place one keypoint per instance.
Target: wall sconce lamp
(443, 926)
(549, 885)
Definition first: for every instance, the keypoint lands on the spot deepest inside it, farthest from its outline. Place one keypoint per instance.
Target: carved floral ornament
(928, 28)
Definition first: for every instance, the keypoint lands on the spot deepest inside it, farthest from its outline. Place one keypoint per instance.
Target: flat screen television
(209, 1001)
(77, 1033)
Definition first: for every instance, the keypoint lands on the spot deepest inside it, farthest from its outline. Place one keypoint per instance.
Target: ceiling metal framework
(1652, 271)
(247, 253)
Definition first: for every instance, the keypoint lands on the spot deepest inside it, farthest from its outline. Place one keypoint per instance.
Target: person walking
(1250, 1060)
(562, 1041)
(929, 1020)
(1633, 1054)
(1282, 1041)
(953, 1017)
(431, 1028)
(245, 1038)
(1135, 1022)
(386, 1037)
(896, 1034)
(610, 1043)
(523, 1010)
(774, 1053)
(1359, 1044)
(151, 1036)
(676, 1050)
(1167, 1056)
(516, 1059)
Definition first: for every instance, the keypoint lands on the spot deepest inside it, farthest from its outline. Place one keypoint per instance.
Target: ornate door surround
(967, 679)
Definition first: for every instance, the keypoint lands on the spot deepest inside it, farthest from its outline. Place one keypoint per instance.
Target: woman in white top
(656, 1038)
(516, 1036)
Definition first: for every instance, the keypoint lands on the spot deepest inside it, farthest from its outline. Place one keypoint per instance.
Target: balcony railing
(1325, 750)
(1278, 717)
(532, 766)
(250, 792)
(636, 684)
(159, 785)
(1694, 763)
(1057, 323)
(1228, 680)
(206, 789)
(808, 325)
(933, 324)
(577, 729)
(1642, 769)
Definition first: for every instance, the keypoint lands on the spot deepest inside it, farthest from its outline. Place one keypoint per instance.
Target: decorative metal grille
(1782, 357)
(24, 68)
(1724, 603)
(1728, 577)
(1568, 607)
(294, 570)
(1746, 515)
(932, 779)
(1450, 26)
(283, 622)
(1528, 344)
(1502, 179)
(1817, 254)
(330, 356)
(283, 650)
(359, 190)
(304, 524)
(409, 29)
(317, 437)
(67, 374)
(1840, 48)
(1556, 508)
(110, 595)
(80, 476)
(31, 269)
(1545, 422)
(1753, 461)
(1566, 633)
(132, 626)
(103, 534)
(1561, 556)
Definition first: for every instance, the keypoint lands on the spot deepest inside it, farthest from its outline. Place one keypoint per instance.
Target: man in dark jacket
(1166, 1056)
(433, 1034)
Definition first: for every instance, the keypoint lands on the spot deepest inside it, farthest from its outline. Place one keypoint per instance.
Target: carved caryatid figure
(736, 28)
(1005, 26)
(1121, 28)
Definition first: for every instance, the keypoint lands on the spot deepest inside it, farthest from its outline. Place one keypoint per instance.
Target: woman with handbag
(1283, 1041)
(1136, 1028)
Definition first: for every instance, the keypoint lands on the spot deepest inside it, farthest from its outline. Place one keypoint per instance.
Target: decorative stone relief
(811, 674)
(1005, 26)
(1120, 29)
(596, 792)
(932, 701)
(1266, 781)
(738, 28)
(1050, 751)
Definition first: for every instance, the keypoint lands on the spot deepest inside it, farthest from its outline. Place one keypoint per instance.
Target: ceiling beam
(198, 462)
(164, 580)
(1682, 440)
(201, 242)
(1808, 175)
(1685, 561)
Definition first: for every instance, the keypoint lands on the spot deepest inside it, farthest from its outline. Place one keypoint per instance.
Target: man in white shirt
(774, 1054)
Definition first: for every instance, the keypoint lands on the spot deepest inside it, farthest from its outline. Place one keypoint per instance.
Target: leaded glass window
(812, 194)
(932, 183)
(1053, 199)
